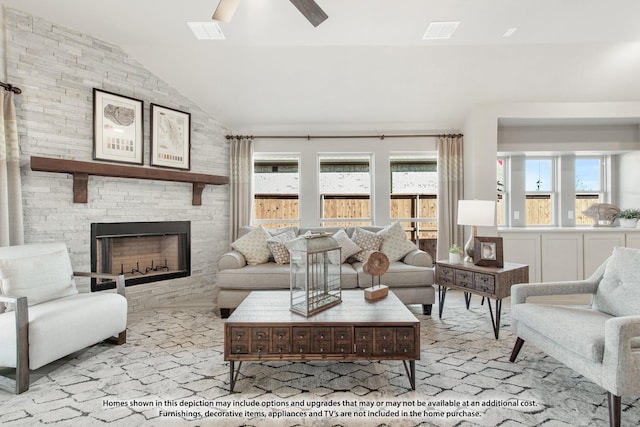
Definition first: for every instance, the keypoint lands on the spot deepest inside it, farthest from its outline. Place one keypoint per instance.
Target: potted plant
(628, 218)
(455, 254)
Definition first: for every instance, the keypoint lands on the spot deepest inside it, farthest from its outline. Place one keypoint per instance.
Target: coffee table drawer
(321, 340)
(364, 340)
(342, 342)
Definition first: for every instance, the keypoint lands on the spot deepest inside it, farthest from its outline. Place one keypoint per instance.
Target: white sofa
(410, 278)
(43, 317)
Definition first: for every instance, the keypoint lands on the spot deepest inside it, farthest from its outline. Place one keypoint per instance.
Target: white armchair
(600, 341)
(43, 317)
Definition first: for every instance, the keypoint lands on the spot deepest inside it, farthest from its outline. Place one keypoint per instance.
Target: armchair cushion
(41, 272)
(619, 290)
(578, 329)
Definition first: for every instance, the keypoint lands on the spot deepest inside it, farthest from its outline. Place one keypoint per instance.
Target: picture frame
(118, 134)
(170, 138)
(487, 251)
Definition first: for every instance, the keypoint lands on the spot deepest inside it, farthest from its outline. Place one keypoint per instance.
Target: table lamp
(476, 213)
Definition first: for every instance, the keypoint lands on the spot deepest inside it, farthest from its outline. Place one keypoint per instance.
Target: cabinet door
(562, 257)
(524, 248)
(633, 239)
(598, 247)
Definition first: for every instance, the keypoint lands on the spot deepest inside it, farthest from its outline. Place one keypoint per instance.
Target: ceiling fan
(309, 8)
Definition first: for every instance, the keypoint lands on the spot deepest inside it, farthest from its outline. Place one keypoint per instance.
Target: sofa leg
(615, 404)
(426, 309)
(225, 313)
(516, 349)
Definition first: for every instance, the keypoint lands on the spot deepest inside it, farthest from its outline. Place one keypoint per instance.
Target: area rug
(171, 372)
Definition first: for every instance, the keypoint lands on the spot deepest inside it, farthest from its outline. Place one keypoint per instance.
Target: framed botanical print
(117, 127)
(487, 251)
(170, 138)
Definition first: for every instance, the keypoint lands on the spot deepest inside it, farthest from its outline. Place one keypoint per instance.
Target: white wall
(57, 68)
(482, 136)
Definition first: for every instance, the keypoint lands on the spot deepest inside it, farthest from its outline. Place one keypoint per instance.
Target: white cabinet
(523, 248)
(598, 247)
(633, 239)
(562, 256)
(564, 253)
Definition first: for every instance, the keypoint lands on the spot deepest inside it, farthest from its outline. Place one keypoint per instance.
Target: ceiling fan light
(225, 10)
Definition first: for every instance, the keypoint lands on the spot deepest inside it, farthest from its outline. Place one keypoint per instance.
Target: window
(539, 189)
(589, 186)
(414, 186)
(552, 190)
(345, 190)
(276, 190)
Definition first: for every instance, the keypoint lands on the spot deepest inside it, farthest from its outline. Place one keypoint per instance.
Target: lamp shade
(477, 212)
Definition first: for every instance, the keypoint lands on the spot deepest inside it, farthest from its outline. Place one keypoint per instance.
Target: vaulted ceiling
(367, 68)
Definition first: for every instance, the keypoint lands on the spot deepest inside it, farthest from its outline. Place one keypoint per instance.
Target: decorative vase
(628, 222)
(455, 258)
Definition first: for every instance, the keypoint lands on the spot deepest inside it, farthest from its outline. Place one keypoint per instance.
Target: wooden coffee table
(262, 328)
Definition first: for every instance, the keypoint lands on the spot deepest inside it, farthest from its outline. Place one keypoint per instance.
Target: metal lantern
(315, 273)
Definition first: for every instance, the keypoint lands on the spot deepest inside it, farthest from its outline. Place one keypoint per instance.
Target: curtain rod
(309, 137)
(11, 88)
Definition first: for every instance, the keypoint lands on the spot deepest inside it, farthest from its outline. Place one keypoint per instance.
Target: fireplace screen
(143, 251)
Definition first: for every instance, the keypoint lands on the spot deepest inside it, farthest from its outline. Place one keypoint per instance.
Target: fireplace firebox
(143, 251)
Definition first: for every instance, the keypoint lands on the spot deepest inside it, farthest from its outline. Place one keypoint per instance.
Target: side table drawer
(485, 282)
(445, 275)
(464, 278)
(239, 340)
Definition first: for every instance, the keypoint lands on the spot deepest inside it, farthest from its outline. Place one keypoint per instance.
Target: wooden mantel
(82, 170)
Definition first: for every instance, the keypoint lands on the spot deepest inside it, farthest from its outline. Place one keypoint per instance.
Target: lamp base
(468, 249)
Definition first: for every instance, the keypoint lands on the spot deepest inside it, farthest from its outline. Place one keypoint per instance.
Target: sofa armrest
(520, 292)
(418, 258)
(118, 278)
(621, 361)
(231, 260)
(21, 314)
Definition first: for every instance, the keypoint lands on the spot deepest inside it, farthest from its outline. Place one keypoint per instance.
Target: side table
(488, 282)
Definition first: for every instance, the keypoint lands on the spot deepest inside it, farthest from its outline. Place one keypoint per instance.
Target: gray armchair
(600, 341)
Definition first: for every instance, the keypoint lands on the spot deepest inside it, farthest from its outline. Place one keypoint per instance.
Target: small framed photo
(487, 251)
(170, 138)
(117, 128)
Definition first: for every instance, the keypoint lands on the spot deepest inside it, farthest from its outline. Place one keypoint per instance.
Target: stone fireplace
(143, 251)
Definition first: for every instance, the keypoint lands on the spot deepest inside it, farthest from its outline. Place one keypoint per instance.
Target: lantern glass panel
(315, 275)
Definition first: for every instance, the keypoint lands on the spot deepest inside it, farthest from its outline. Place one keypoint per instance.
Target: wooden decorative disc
(376, 263)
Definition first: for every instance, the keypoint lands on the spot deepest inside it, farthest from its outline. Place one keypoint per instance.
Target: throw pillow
(40, 277)
(277, 246)
(367, 240)
(395, 244)
(346, 244)
(253, 246)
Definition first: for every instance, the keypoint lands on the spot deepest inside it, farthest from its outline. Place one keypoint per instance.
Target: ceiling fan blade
(225, 10)
(311, 11)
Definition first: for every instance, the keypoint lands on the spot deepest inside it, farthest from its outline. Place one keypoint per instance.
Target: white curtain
(450, 190)
(240, 184)
(11, 222)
